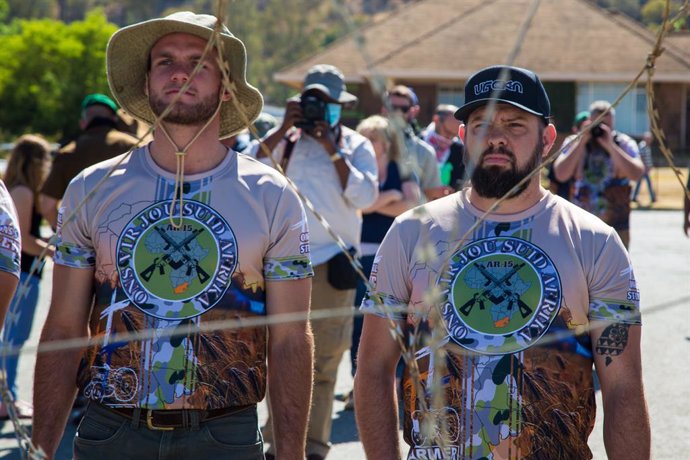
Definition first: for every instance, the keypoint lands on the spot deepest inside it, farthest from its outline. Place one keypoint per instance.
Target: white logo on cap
(499, 85)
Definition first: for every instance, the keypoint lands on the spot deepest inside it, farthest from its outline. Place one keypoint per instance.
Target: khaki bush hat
(127, 58)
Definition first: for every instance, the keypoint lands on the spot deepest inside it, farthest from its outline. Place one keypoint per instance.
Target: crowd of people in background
(358, 180)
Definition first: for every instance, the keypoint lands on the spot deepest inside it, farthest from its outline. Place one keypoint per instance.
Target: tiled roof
(680, 41)
(447, 40)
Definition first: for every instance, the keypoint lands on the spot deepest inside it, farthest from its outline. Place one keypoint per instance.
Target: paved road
(661, 256)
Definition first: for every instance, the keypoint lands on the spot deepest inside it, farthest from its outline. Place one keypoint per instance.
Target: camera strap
(290, 141)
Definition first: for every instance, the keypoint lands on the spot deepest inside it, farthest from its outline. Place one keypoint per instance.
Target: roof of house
(447, 40)
(680, 41)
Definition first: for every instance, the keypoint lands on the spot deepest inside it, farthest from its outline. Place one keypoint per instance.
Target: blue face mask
(333, 112)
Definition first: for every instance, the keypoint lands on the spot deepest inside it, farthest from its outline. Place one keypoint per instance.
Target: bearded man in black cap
(526, 297)
(169, 239)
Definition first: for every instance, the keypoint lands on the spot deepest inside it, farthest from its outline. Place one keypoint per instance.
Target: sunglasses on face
(401, 108)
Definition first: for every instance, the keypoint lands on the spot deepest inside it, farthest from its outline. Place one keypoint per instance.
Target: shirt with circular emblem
(237, 226)
(514, 294)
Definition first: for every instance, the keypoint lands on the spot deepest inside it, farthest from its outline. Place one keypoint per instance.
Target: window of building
(631, 113)
(451, 95)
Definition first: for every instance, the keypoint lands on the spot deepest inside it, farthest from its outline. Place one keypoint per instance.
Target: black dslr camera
(313, 110)
(596, 131)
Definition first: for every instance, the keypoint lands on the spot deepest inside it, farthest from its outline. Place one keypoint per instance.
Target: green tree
(653, 14)
(48, 67)
(629, 7)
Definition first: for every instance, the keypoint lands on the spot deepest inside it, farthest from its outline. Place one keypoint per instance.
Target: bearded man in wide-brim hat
(166, 239)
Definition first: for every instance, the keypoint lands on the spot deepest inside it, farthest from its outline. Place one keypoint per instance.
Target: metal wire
(408, 349)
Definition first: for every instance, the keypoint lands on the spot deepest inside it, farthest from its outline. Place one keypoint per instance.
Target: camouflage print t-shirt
(599, 191)
(514, 301)
(241, 225)
(10, 240)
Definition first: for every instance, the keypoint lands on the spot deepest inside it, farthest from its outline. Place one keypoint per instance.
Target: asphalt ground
(661, 258)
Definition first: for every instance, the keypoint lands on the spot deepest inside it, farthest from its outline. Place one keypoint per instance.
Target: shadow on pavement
(344, 427)
(10, 447)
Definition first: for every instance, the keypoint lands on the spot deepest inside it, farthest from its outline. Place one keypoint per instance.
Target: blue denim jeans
(105, 435)
(367, 262)
(18, 322)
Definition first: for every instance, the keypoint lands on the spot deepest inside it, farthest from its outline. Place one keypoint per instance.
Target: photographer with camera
(335, 168)
(603, 162)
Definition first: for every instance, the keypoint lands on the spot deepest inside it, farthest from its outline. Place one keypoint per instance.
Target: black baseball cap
(511, 85)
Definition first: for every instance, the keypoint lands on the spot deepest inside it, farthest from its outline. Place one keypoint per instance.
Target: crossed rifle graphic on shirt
(491, 283)
(182, 248)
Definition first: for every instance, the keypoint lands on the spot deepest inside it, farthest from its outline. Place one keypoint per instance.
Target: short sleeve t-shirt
(599, 191)
(241, 225)
(10, 238)
(514, 297)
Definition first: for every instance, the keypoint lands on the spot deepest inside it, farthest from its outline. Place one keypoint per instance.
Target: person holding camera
(335, 168)
(603, 162)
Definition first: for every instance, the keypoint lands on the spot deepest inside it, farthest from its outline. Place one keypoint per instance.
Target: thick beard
(182, 114)
(496, 182)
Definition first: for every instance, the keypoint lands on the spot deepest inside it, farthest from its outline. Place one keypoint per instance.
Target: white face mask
(333, 112)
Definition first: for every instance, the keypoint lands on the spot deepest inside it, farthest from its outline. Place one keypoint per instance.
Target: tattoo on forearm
(613, 341)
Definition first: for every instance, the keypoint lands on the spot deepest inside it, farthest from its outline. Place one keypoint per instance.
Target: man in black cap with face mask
(507, 320)
(335, 168)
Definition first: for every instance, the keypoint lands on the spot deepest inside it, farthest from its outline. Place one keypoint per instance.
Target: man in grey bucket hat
(335, 168)
(172, 236)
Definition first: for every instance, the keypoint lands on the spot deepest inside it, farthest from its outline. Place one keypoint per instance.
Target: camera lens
(311, 111)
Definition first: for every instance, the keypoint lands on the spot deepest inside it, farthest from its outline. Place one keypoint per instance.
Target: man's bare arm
(618, 363)
(376, 407)
(569, 160)
(290, 366)
(293, 112)
(49, 206)
(24, 201)
(410, 198)
(625, 165)
(55, 374)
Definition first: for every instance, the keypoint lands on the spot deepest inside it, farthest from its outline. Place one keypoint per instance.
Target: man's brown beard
(496, 182)
(184, 114)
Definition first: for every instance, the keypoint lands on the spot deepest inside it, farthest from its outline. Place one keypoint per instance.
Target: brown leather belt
(176, 418)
